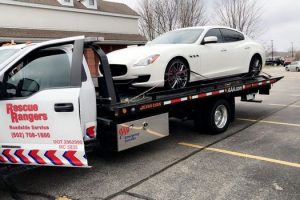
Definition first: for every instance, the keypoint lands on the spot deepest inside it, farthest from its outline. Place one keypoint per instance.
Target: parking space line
(243, 155)
(268, 122)
(284, 105)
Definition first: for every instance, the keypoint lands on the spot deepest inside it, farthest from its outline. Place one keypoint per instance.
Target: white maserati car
(177, 58)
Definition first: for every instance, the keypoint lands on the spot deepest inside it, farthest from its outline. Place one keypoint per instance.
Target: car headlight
(147, 61)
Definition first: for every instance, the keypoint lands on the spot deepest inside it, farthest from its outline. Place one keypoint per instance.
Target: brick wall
(93, 59)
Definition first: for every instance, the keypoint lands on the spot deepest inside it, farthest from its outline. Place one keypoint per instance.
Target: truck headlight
(147, 61)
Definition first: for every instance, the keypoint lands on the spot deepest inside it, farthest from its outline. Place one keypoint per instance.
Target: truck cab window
(38, 71)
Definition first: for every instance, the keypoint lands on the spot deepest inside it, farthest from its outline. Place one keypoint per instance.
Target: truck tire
(214, 118)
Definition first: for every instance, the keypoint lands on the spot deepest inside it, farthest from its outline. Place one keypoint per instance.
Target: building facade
(39, 20)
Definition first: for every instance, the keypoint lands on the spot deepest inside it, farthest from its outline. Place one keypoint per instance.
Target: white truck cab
(49, 103)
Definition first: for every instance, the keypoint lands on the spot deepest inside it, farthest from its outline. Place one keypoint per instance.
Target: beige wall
(66, 19)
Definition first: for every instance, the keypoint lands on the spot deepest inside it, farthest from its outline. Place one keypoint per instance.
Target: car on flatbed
(52, 111)
(180, 57)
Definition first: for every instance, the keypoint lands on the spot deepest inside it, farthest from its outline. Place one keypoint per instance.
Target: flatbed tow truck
(51, 117)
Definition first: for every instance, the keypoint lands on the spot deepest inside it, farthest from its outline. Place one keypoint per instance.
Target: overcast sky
(281, 21)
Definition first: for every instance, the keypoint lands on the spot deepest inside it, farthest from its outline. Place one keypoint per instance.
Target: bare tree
(244, 15)
(160, 16)
(147, 22)
(192, 13)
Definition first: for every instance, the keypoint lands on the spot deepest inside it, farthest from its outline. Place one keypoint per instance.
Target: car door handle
(223, 50)
(247, 48)
(63, 107)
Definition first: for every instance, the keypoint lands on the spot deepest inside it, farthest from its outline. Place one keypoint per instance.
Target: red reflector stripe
(215, 92)
(175, 101)
(20, 155)
(70, 156)
(34, 154)
(51, 156)
(248, 86)
(6, 153)
(202, 95)
(2, 159)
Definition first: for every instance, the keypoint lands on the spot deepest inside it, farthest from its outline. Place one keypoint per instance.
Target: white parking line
(243, 155)
(284, 105)
(268, 122)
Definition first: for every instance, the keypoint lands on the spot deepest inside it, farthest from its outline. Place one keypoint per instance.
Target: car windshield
(187, 36)
(6, 53)
(295, 63)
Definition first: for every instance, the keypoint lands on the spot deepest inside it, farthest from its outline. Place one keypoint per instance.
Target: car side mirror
(210, 39)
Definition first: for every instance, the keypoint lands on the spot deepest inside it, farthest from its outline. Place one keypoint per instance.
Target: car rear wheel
(177, 74)
(297, 69)
(255, 66)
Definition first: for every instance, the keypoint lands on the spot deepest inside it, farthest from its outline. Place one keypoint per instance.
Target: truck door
(39, 106)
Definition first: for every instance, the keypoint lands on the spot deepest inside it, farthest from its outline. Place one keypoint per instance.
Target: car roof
(209, 27)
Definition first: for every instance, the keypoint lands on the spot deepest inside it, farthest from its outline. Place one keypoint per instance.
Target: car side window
(231, 35)
(38, 71)
(215, 32)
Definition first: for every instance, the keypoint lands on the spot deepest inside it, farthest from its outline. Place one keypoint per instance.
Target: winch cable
(142, 94)
(136, 98)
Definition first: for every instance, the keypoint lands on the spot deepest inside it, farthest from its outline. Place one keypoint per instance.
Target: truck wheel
(217, 117)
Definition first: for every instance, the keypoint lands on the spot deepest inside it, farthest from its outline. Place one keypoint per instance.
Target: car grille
(117, 70)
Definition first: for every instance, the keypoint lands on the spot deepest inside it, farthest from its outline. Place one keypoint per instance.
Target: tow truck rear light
(91, 132)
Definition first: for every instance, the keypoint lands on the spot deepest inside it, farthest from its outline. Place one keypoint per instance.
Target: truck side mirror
(26, 87)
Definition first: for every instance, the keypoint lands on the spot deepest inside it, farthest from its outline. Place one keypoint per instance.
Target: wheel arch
(181, 58)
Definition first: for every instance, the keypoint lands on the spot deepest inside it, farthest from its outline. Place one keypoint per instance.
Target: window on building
(92, 2)
(66, 2)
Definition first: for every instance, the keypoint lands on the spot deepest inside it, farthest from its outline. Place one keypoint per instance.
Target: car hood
(135, 54)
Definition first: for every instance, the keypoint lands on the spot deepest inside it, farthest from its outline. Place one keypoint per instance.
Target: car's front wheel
(177, 74)
(297, 69)
(255, 66)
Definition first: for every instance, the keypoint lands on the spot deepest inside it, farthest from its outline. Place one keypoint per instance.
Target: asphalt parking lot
(257, 158)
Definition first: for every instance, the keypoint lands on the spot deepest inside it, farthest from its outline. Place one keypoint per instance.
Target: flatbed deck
(129, 105)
